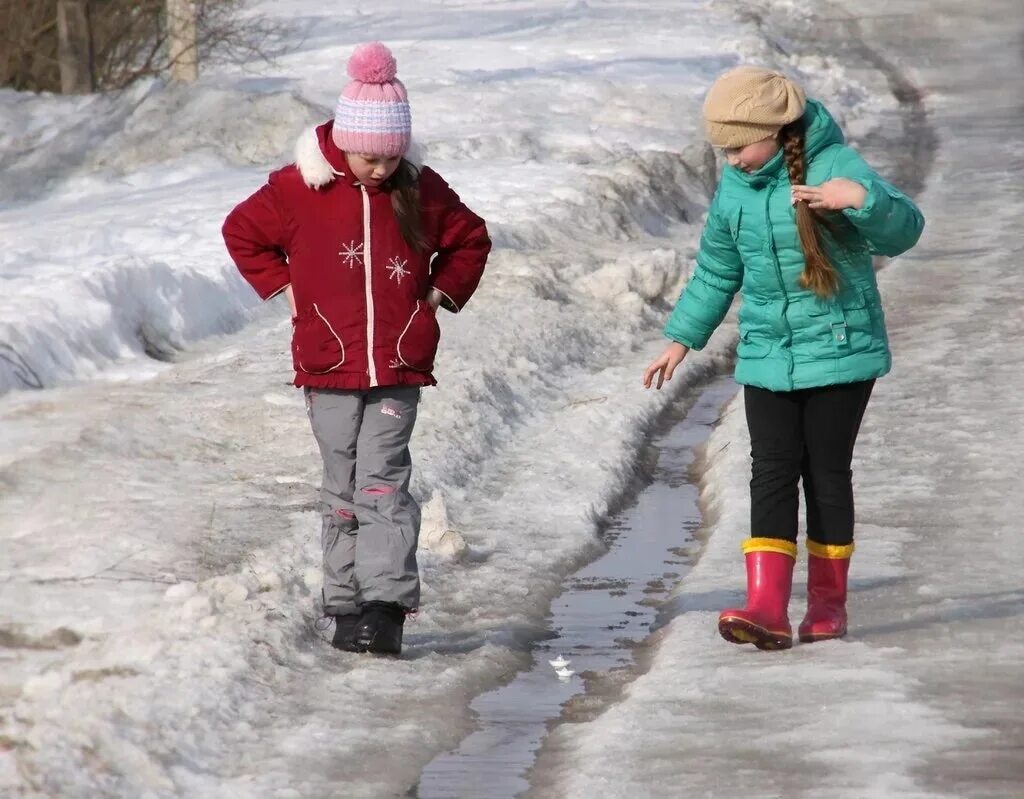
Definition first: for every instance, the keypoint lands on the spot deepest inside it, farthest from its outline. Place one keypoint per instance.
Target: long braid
(819, 275)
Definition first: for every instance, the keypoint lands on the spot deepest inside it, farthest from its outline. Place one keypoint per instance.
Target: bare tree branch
(129, 40)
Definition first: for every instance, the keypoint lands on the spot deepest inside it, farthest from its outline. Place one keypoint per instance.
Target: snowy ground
(923, 699)
(158, 567)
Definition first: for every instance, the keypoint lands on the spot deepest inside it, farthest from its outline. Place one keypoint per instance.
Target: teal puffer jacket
(790, 338)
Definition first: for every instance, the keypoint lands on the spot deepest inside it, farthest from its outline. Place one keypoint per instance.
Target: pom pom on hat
(372, 63)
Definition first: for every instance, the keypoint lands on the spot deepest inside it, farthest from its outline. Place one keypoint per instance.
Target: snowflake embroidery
(397, 268)
(351, 253)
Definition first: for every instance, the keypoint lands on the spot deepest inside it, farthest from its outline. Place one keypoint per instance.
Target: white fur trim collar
(315, 169)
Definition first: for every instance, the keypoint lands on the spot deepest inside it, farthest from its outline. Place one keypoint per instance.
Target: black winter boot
(344, 627)
(380, 628)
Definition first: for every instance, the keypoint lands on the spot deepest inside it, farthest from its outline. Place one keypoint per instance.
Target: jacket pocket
(751, 348)
(417, 345)
(316, 346)
(851, 299)
(845, 320)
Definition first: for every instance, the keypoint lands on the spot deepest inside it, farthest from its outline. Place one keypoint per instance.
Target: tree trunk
(74, 47)
(181, 40)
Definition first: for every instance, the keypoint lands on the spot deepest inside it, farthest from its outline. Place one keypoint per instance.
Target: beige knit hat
(748, 104)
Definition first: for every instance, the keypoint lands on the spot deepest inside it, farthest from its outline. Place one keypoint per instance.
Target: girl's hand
(665, 364)
(434, 298)
(833, 195)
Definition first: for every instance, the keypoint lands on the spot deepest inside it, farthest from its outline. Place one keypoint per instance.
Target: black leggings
(810, 434)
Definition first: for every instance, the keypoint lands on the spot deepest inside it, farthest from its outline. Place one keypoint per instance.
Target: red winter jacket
(360, 290)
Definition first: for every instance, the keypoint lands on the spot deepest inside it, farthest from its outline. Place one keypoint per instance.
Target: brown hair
(820, 276)
(405, 199)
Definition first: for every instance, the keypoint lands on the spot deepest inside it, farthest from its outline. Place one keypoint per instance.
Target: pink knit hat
(372, 116)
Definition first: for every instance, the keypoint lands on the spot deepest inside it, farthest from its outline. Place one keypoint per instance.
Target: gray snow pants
(370, 521)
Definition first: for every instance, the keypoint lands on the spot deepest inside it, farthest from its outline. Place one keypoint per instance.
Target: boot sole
(740, 631)
(810, 638)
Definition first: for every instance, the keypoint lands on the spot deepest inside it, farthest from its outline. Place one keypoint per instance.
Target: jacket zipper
(778, 274)
(371, 367)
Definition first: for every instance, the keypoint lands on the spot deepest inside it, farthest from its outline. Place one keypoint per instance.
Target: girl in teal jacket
(793, 227)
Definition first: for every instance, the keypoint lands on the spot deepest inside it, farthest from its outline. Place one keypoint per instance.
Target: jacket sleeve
(256, 237)
(462, 249)
(890, 222)
(706, 298)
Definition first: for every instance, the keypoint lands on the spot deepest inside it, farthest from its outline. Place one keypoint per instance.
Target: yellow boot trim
(830, 551)
(779, 545)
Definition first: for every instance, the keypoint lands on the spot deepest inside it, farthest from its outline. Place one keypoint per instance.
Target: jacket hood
(821, 132)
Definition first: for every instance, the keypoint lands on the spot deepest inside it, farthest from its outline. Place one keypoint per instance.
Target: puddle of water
(605, 609)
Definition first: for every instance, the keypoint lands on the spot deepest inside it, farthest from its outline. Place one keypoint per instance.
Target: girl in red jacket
(366, 247)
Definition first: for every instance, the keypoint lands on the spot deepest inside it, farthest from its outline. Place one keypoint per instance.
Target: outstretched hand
(832, 195)
(665, 364)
